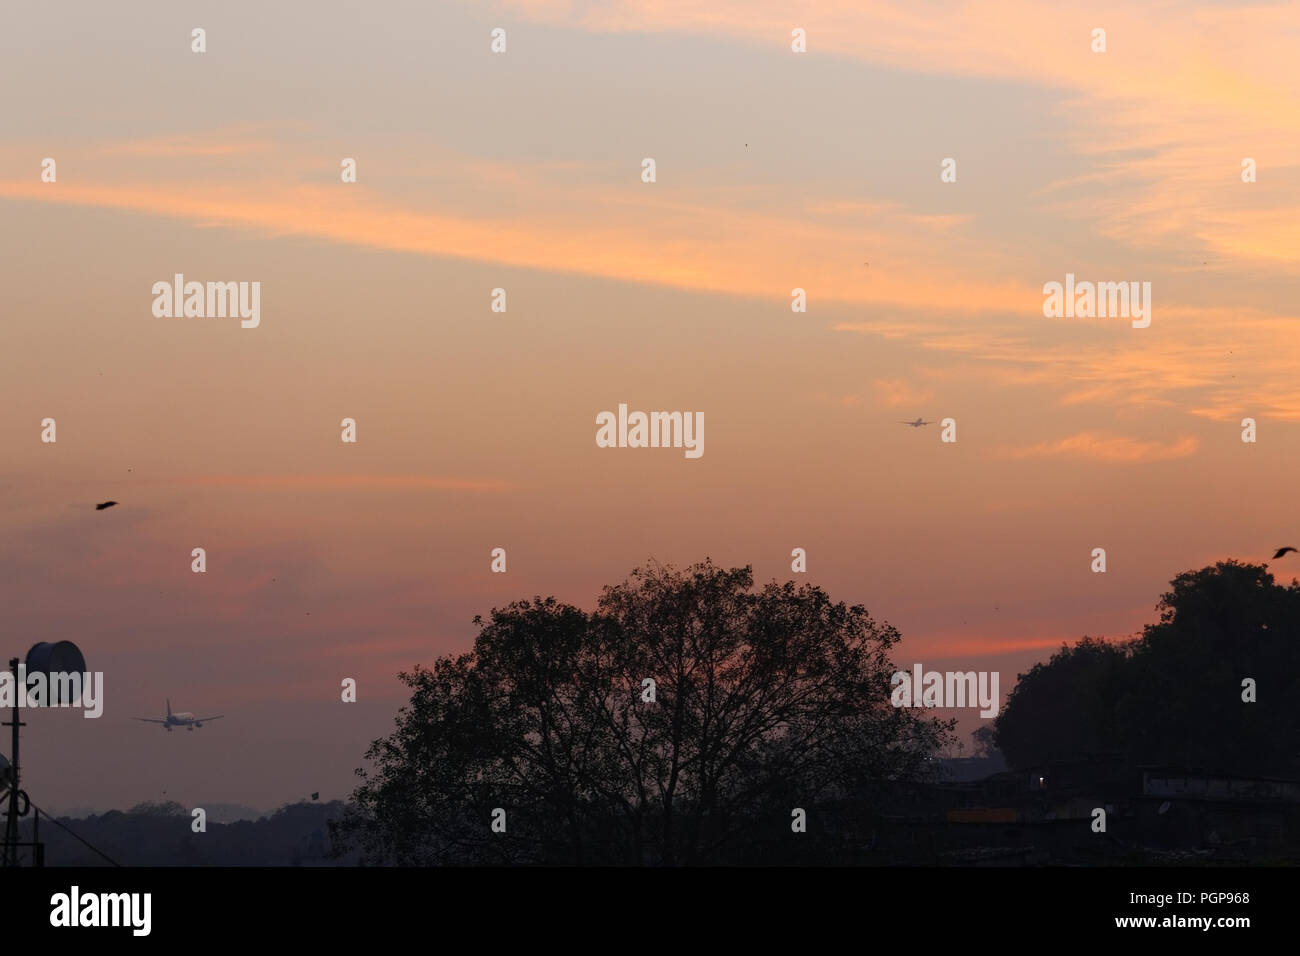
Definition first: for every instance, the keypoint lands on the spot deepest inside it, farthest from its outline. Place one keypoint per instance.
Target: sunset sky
(522, 171)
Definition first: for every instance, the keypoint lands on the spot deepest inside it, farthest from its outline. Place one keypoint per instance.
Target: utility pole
(11, 822)
(48, 658)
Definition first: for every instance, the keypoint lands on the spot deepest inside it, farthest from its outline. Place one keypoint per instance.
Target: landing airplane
(916, 424)
(184, 719)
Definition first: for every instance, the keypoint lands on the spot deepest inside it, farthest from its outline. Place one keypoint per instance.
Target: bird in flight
(1282, 551)
(104, 504)
(916, 424)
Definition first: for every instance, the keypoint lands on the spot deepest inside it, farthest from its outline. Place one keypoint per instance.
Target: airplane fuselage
(184, 718)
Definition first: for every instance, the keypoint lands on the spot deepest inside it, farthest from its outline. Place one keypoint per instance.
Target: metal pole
(11, 824)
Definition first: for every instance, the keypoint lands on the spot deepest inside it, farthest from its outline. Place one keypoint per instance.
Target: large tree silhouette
(764, 700)
(1174, 695)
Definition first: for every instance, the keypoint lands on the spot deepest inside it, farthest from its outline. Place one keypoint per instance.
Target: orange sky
(476, 429)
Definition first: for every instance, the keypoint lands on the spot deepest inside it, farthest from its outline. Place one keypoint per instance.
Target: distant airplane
(184, 719)
(916, 424)
(1282, 551)
(104, 504)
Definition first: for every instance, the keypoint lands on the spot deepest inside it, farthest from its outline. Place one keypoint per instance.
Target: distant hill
(217, 812)
(233, 812)
(160, 834)
(965, 769)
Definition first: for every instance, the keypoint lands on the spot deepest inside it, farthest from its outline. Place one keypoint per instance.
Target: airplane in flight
(916, 424)
(183, 719)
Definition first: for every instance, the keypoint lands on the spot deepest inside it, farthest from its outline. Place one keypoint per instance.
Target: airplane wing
(150, 720)
(199, 720)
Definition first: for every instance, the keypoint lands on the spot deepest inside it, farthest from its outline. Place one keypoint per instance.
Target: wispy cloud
(895, 392)
(205, 144)
(1184, 91)
(1160, 122)
(335, 482)
(958, 648)
(1202, 369)
(1104, 447)
(695, 241)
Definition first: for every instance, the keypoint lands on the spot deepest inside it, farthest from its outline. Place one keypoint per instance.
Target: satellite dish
(58, 657)
(1164, 807)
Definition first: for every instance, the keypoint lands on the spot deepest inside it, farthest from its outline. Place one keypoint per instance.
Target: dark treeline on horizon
(1176, 694)
(693, 718)
(768, 735)
(161, 834)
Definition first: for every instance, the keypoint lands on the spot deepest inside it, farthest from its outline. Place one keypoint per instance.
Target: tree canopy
(1174, 695)
(761, 701)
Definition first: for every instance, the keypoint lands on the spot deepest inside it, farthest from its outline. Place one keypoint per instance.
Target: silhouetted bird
(1282, 551)
(104, 504)
(316, 795)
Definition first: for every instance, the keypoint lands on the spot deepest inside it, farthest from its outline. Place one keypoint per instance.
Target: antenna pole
(11, 823)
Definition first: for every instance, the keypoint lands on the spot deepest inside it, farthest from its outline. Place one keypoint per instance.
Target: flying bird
(104, 504)
(916, 424)
(1282, 551)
